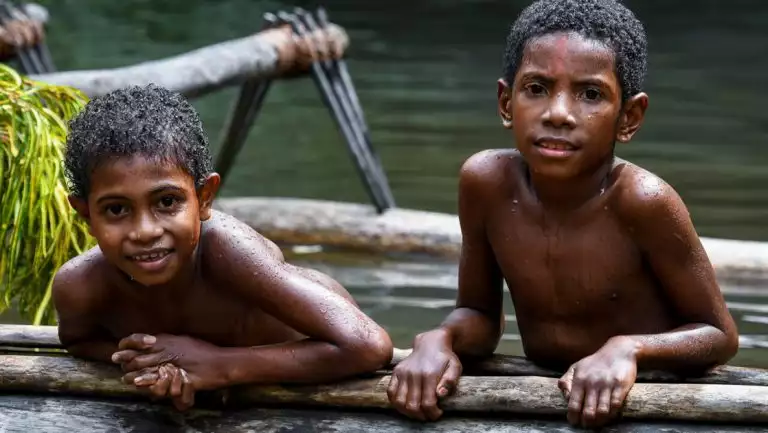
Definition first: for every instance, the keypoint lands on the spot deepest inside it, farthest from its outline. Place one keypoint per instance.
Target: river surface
(425, 71)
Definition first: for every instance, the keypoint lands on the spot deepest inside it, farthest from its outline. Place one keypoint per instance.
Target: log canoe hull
(47, 391)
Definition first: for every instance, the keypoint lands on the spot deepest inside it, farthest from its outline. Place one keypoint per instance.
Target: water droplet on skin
(514, 201)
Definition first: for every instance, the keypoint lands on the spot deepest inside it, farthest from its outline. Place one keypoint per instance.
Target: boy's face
(565, 105)
(146, 216)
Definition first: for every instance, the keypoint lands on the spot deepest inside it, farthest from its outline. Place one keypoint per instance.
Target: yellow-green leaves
(39, 231)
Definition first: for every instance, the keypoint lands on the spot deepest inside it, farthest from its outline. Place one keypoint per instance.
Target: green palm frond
(39, 231)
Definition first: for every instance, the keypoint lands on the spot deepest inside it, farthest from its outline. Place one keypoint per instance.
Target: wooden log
(506, 365)
(357, 226)
(193, 74)
(57, 413)
(46, 337)
(510, 395)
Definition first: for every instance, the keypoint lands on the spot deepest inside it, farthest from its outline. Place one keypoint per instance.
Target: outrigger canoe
(47, 390)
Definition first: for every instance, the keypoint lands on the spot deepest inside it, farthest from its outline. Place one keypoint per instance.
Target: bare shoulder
(644, 199)
(490, 169)
(79, 285)
(227, 240)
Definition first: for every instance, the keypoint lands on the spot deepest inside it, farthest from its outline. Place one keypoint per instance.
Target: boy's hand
(596, 386)
(295, 55)
(196, 358)
(167, 381)
(430, 372)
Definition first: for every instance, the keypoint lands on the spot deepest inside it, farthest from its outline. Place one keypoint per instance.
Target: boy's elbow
(731, 346)
(371, 353)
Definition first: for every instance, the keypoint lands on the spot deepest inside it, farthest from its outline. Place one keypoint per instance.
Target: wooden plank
(28, 336)
(53, 414)
(522, 395)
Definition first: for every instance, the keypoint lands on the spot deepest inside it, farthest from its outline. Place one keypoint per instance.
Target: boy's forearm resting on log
(297, 362)
(695, 346)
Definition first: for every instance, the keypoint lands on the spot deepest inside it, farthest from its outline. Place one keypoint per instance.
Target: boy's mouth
(151, 255)
(555, 147)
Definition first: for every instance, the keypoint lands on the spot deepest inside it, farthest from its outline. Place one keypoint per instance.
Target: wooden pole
(193, 74)
(46, 337)
(511, 395)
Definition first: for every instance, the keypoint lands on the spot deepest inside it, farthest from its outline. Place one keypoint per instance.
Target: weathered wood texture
(350, 225)
(53, 414)
(192, 74)
(522, 395)
(28, 336)
(506, 365)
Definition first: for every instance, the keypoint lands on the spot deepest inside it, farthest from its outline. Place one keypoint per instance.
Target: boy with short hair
(604, 266)
(183, 297)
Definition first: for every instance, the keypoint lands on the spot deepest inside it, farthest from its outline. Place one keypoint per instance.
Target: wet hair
(149, 121)
(607, 21)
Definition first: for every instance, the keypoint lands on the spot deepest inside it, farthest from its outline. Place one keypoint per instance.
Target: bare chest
(568, 267)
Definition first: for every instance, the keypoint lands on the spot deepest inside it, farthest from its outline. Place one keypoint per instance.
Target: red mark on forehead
(561, 52)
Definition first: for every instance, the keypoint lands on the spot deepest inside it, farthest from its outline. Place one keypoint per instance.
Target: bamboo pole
(46, 337)
(509, 395)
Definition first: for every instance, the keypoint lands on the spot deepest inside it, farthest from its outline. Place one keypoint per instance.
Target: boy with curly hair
(606, 271)
(183, 297)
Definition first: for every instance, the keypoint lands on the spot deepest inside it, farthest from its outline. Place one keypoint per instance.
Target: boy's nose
(559, 112)
(145, 230)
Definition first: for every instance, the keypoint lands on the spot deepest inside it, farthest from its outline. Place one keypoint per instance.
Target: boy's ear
(81, 207)
(632, 115)
(207, 193)
(505, 103)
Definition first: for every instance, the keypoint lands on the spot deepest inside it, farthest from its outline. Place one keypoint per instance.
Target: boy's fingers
(589, 410)
(450, 380)
(187, 390)
(145, 361)
(176, 382)
(603, 406)
(413, 398)
(160, 388)
(123, 356)
(148, 377)
(575, 404)
(137, 342)
(429, 399)
(392, 388)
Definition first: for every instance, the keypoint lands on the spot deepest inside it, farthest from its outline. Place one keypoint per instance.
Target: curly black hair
(607, 21)
(149, 121)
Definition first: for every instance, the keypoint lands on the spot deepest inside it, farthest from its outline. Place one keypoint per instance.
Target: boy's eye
(115, 209)
(168, 201)
(592, 94)
(535, 89)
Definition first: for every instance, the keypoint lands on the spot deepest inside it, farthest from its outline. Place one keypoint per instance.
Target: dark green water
(425, 72)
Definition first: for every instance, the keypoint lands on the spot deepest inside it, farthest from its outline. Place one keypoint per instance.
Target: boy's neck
(572, 193)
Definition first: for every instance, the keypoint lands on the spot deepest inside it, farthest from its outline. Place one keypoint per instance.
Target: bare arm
(342, 341)
(76, 305)
(665, 233)
(475, 326)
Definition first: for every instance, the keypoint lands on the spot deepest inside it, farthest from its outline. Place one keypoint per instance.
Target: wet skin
(175, 283)
(604, 266)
